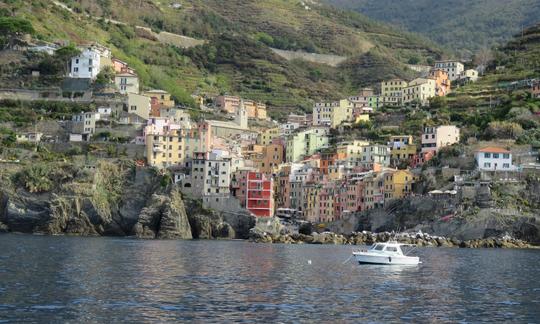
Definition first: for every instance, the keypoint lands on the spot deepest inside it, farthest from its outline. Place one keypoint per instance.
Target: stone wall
(332, 60)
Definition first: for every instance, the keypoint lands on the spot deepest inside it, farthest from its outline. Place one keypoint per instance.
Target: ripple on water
(63, 279)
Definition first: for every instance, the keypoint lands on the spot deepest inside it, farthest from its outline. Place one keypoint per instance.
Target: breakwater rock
(368, 238)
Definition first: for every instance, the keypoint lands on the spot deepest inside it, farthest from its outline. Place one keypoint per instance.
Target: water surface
(71, 279)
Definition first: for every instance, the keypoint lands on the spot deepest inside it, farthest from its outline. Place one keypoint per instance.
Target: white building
(470, 75)
(127, 83)
(494, 159)
(138, 107)
(89, 62)
(420, 89)
(31, 137)
(435, 138)
(210, 175)
(453, 68)
(83, 124)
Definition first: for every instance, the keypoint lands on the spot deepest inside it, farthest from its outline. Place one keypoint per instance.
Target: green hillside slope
(237, 56)
(463, 25)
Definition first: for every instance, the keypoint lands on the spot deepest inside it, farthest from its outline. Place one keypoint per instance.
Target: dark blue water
(69, 279)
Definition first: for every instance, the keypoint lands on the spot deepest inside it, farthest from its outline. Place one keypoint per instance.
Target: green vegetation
(462, 25)
(236, 58)
(25, 113)
(10, 27)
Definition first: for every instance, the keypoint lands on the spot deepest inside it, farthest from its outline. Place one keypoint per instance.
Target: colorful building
(435, 138)
(419, 90)
(391, 92)
(228, 104)
(332, 113)
(127, 83)
(265, 137)
(402, 148)
(271, 157)
(453, 68)
(259, 198)
(442, 82)
(306, 143)
(161, 98)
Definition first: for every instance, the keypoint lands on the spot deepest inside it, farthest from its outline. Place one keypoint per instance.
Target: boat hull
(383, 259)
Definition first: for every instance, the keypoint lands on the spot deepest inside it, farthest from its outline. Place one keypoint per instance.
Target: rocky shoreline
(368, 238)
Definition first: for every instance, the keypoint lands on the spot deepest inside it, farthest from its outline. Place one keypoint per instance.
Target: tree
(414, 60)
(482, 59)
(11, 27)
(105, 76)
(65, 54)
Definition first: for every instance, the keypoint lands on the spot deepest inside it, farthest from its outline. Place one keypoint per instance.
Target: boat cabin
(387, 248)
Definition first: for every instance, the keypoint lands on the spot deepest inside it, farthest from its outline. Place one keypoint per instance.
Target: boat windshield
(378, 247)
(391, 249)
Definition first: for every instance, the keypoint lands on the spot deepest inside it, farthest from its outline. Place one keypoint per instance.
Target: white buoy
(308, 261)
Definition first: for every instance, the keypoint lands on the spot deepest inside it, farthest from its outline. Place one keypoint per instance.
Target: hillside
(237, 55)
(462, 25)
(499, 105)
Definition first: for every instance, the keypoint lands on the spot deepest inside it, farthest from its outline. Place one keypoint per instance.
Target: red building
(260, 194)
(255, 191)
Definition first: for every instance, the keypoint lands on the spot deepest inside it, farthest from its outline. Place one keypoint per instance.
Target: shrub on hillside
(503, 130)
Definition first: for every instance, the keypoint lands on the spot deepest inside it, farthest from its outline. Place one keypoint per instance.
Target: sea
(46, 279)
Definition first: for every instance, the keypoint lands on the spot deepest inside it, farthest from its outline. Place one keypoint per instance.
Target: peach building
(228, 104)
(442, 82)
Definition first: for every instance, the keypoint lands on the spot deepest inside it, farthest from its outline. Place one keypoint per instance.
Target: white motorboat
(386, 253)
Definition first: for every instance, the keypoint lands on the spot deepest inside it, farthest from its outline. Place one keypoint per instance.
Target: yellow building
(420, 90)
(310, 200)
(139, 106)
(332, 113)
(391, 91)
(255, 109)
(160, 97)
(362, 118)
(398, 184)
(271, 157)
(165, 149)
(265, 137)
(352, 150)
(335, 172)
(402, 147)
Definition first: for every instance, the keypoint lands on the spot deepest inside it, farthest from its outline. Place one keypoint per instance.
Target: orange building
(328, 159)
(272, 156)
(442, 82)
(228, 104)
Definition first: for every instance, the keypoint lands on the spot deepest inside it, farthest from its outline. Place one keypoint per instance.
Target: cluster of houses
(290, 169)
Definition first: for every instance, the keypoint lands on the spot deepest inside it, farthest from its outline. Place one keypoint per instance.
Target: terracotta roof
(492, 149)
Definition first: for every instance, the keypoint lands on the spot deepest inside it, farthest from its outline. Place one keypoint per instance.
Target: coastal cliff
(110, 199)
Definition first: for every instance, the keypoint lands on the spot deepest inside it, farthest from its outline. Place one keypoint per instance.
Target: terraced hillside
(236, 56)
(462, 25)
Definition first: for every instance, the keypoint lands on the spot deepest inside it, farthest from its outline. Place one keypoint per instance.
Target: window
(76, 61)
(487, 155)
(506, 155)
(90, 69)
(495, 155)
(487, 165)
(90, 61)
(76, 69)
(506, 165)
